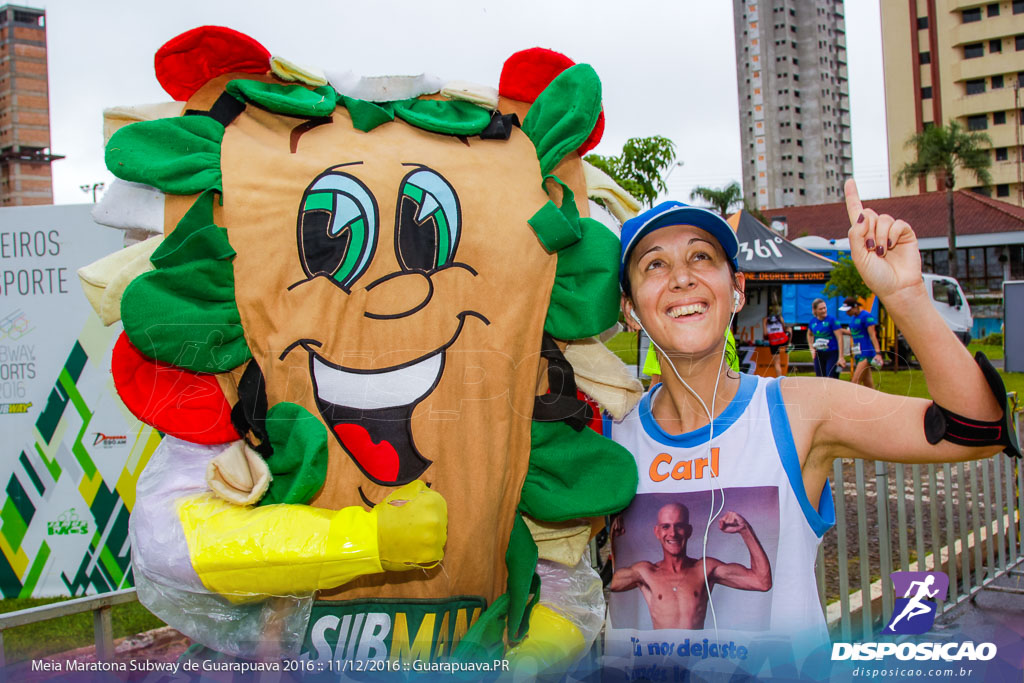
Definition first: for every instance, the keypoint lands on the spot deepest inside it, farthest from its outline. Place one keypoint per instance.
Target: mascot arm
(298, 549)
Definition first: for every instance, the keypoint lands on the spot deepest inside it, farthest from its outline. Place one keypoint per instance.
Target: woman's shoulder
(806, 397)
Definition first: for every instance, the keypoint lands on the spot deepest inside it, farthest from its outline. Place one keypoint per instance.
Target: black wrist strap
(942, 424)
(945, 424)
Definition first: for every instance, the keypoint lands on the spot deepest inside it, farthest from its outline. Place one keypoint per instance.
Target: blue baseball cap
(676, 213)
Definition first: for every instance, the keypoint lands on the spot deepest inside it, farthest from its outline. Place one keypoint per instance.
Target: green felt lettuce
(575, 474)
(451, 117)
(366, 115)
(177, 155)
(291, 100)
(184, 312)
(585, 294)
(193, 240)
(485, 639)
(564, 114)
(523, 582)
(299, 461)
(557, 227)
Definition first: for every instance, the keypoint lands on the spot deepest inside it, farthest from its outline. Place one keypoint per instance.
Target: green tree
(845, 280)
(638, 169)
(940, 151)
(720, 199)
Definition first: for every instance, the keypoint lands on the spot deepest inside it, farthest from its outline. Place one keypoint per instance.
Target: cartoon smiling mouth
(369, 412)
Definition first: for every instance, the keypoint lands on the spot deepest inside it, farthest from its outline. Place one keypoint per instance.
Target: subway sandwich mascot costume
(365, 327)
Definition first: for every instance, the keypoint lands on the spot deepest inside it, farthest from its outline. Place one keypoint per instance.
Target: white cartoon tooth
(372, 390)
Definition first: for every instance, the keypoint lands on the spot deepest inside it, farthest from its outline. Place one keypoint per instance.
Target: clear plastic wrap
(270, 629)
(168, 585)
(574, 592)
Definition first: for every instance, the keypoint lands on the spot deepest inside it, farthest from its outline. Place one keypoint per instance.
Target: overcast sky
(667, 66)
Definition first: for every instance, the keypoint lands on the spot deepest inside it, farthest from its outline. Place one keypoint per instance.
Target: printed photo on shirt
(659, 560)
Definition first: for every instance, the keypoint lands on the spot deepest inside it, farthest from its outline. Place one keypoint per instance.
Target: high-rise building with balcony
(794, 101)
(24, 108)
(952, 60)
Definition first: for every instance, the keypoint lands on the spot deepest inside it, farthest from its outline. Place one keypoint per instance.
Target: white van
(950, 302)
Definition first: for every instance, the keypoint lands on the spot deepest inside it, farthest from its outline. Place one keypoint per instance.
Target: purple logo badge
(914, 612)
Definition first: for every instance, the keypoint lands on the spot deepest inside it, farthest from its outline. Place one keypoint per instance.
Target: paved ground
(989, 608)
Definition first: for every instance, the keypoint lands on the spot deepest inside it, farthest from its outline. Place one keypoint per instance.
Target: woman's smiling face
(682, 289)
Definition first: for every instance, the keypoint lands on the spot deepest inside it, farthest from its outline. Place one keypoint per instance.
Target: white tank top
(754, 459)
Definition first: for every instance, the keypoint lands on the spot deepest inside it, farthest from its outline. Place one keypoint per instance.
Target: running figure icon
(916, 607)
(914, 612)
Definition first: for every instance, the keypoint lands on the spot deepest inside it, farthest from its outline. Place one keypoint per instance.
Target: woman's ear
(740, 283)
(628, 312)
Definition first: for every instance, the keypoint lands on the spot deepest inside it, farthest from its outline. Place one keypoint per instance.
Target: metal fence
(963, 519)
(99, 605)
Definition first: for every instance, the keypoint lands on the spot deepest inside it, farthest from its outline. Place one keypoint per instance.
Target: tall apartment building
(794, 101)
(949, 60)
(24, 108)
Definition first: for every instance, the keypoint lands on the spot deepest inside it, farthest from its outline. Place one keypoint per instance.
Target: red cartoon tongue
(380, 460)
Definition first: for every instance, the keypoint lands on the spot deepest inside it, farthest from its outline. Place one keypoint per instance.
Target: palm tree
(720, 199)
(940, 151)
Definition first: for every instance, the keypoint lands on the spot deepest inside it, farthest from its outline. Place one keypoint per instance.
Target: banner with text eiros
(71, 452)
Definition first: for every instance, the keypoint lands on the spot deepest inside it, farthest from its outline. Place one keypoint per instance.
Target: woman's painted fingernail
(888, 244)
(870, 244)
(860, 218)
(879, 250)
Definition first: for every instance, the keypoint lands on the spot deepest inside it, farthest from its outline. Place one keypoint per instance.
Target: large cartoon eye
(427, 223)
(337, 227)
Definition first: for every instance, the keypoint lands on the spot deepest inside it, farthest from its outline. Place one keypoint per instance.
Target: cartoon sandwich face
(381, 289)
(381, 268)
(391, 285)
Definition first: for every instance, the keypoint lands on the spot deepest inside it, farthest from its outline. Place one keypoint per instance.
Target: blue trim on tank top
(736, 406)
(822, 519)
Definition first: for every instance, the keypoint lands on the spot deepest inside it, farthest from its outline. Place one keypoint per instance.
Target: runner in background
(777, 334)
(865, 342)
(824, 337)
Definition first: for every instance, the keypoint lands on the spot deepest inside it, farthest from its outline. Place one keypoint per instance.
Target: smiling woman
(754, 454)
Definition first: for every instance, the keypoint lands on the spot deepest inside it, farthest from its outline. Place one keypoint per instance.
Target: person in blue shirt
(823, 338)
(865, 342)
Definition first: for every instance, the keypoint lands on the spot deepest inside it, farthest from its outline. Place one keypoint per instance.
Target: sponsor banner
(71, 453)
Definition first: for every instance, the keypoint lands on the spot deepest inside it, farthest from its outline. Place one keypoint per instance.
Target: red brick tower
(24, 108)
